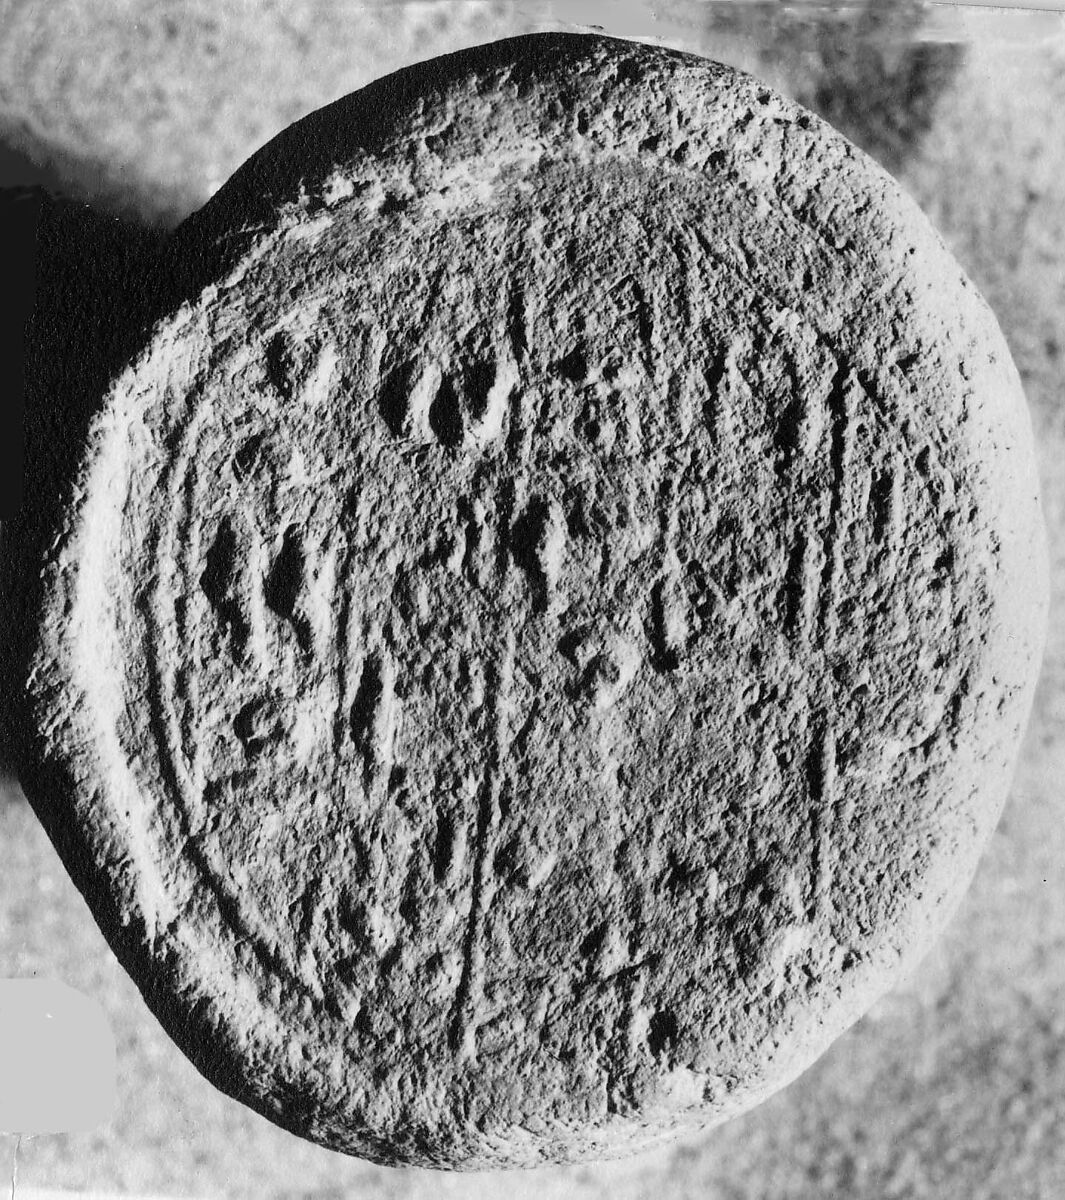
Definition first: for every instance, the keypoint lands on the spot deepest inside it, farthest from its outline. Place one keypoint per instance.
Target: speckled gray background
(952, 1086)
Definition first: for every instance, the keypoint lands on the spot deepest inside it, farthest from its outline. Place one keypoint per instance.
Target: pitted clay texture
(540, 640)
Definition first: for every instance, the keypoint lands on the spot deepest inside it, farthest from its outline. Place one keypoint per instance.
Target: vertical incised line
(822, 763)
(511, 498)
(841, 454)
(821, 783)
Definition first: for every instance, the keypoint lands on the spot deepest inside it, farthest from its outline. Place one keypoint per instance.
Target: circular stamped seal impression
(538, 639)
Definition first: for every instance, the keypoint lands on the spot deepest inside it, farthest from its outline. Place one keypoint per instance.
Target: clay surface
(538, 641)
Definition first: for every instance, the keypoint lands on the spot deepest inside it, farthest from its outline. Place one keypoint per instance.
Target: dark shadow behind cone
(94, 288)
